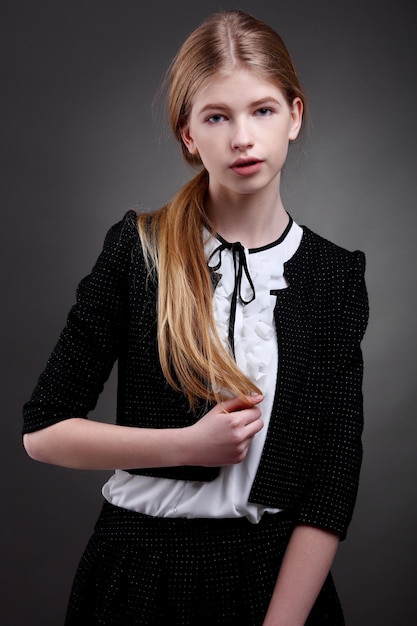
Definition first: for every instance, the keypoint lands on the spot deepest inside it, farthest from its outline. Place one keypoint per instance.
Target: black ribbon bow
(240, 267)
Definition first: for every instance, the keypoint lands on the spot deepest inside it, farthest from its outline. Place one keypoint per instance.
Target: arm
(89, 344)
(221, 437)
(55, 430)
(334, 477)
(304, 569)
(325, 512)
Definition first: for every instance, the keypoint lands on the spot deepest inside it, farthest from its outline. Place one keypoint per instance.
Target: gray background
(80, 145)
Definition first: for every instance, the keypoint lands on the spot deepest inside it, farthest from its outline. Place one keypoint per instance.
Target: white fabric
(257, 355)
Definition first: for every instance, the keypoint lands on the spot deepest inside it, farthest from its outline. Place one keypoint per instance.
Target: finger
(247, 416)
(253, 428)
(236, 404)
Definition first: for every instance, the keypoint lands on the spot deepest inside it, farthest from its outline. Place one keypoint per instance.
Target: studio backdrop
(84, 138)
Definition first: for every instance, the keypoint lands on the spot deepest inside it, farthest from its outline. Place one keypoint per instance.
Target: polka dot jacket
(312, 454)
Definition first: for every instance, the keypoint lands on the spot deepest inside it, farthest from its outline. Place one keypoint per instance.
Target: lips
(246, 167)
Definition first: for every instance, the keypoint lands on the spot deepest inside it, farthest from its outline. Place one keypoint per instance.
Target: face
(241, 126)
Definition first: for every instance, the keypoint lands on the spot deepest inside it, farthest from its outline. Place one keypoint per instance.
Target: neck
(253, 220)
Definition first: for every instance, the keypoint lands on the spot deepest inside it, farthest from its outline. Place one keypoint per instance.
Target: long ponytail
(191, 354)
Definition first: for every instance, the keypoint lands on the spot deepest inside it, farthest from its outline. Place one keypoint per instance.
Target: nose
(242, 138)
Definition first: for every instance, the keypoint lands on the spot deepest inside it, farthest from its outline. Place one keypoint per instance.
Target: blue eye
(214, 119)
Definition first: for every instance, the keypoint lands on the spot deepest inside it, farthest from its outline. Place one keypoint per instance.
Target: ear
(297, 109)
(188, 139)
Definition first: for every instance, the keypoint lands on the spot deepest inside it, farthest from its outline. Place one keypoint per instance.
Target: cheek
(207, 146)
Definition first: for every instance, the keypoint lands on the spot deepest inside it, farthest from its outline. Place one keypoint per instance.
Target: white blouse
(246, 278)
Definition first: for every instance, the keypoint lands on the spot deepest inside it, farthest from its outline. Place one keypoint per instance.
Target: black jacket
(312, 454)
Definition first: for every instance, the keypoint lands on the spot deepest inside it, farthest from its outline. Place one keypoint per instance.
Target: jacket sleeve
(88, 346)
(330, 501)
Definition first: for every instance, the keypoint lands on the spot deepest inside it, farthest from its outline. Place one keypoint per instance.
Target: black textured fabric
(312, 454)
(177, 572)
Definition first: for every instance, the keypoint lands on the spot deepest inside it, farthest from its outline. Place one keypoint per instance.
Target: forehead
(237, 85)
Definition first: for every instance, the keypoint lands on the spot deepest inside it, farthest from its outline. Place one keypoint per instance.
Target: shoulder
(324, 258)
(328, 249)
(123, 232)
(333, 276)
(338, 275)
(120, 251)
(121, 243)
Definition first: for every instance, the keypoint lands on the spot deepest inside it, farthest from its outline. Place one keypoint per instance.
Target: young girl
(237, 335)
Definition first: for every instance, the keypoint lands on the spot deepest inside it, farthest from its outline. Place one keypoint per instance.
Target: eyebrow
(257, 103)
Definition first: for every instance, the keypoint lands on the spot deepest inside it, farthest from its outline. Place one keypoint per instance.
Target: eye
(216, 118)
(264, 112)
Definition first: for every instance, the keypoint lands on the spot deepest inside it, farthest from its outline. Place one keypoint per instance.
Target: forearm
(85, 444)
(221, 437)
(305, 566)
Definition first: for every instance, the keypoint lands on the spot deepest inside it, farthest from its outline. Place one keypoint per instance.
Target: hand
(224, 434)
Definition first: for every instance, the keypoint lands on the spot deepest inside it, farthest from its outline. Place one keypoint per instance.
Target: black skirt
(142, 570)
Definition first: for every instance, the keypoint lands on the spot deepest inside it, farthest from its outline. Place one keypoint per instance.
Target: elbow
(55, 444)
(34, 445)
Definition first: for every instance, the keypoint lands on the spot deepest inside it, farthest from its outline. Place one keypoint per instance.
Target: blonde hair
(192, 356)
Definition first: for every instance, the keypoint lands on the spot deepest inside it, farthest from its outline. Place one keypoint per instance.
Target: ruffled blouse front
(248, 276)
(243, 306)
